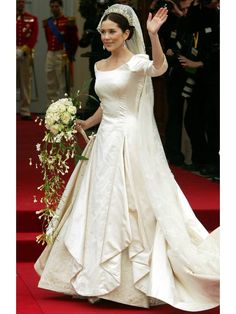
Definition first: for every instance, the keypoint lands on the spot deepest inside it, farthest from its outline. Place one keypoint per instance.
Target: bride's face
(112, 35)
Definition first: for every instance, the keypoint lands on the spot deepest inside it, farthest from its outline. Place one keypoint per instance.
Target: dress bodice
(125, 86)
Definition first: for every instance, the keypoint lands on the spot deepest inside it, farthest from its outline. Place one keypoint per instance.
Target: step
(27, 221)
(27, 249)
(28, 227)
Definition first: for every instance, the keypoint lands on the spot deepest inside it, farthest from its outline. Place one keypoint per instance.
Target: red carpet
(32, 300)
(203, 196)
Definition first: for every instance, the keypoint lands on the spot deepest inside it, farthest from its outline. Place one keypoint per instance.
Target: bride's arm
(153, 25)
(91, 121)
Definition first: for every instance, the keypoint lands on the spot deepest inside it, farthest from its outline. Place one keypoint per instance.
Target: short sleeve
(142, 63)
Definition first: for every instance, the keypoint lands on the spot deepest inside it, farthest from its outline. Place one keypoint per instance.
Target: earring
(124, 43)
(103, 47)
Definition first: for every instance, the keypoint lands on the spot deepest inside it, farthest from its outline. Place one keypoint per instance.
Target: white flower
(38, 147)
(72, 110)
(65, 117)
(54, 128)
(52, 108)
(49, 120)
(61, 129)
(58, 137)
(61, 107)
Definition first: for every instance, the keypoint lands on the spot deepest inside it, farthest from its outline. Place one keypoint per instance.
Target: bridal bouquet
(59, 120)
(59, 145)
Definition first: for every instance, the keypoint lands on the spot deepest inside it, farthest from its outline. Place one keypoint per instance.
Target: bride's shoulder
(138, 62)
(140, 56)
(100, 64)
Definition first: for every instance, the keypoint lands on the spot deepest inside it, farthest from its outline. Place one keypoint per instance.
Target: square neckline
(116, 67)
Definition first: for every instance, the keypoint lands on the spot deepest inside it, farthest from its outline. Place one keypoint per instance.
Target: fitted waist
(114, 109)
(120, 118)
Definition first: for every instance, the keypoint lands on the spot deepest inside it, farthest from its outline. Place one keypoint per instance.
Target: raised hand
(155, 22)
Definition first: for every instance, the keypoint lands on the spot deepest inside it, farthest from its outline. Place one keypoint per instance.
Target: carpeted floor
(202, 194)
(32, 300)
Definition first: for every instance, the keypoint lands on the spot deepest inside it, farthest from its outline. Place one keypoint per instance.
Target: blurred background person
(92, 11)
(190, 39)
(26, 38)
(127, 2)
(62, 39)
(176, 41)
(202, 117)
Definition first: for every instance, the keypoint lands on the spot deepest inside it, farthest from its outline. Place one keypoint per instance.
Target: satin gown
(125, 231)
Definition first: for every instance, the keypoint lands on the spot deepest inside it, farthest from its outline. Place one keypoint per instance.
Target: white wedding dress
(125, 231)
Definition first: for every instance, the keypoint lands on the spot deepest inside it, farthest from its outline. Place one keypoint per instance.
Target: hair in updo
(121, 21)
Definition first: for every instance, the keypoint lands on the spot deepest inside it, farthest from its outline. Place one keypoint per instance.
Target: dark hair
(121, 21)
(58, 1)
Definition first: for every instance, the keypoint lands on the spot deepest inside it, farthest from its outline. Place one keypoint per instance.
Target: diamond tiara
(123, 10)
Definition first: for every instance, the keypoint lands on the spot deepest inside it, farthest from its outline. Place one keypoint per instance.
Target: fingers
(183, 61)
(169, 52)
(162, 12)
(79, 126)
(149, 17)
(182, 58)
(161, 15)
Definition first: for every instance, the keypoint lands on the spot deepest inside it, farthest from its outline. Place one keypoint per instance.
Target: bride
(125, 231)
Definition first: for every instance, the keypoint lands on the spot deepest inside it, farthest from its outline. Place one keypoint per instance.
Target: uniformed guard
(62, 38)
(26, 37)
